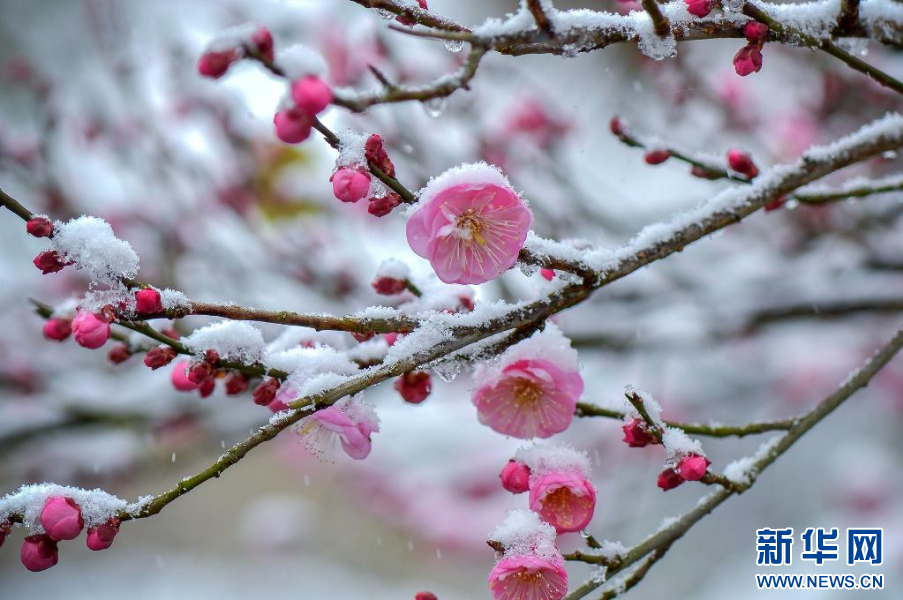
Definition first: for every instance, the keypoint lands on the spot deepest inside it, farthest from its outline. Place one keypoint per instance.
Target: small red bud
(39, 227)
(669, 479)
(380, 207)
(693, 467)
(159, 357)
(265, 392)
(199, 372)
(515, 477)
(424, 595)
(755, 32)
(148, 302)
(389, 286)
(207, 387)
(236, 383)
(748, 60)
(742, 163)
(637, 435)
(362, 337)
(375, 153)
(618, 126)
(49, 261)
(414, 386)
(57, 329)
(263, 42)
(119, 354)
(656, 157)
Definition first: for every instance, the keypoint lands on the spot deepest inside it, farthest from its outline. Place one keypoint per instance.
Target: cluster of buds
(62, 520)
(310, 96)
(692, 467)
(749, 58)
(215, 63)
(352, 183)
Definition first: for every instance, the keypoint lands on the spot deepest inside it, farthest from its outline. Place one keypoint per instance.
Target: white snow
(174, 299)
(474, 174)
(522, 532)
(233, 340)
(548, 344)
(741, 470)
(542, 457)
(298, 61)
(678, 443)
(92, 245)
(393, 269)
(97, 506)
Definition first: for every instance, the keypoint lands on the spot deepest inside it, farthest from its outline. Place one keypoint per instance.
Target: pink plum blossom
(351, 422)
(311, 95)
(693, 467)
(57, 329)
(529, 577)
(101, 537)
(470, 232)
(530, 398)
(350, 185)
(90, 330)
(215, 64)
(39, 553)
(148, 302)
(180, 379)
(748, 60)
(62, 518)
(292, 125)
(515, 477)
(564, 499)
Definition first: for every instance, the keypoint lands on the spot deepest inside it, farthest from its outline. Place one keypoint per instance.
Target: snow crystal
(233, 340)
(97, 506)
(377, 312)
(653, 408)
(298, 61)
(92, 245)
(650, 43)
(393, 269)
(465, 174)
(292, 337)
(523, 532)
(66, 308)
(608, 549)
(678, 443)
(351, 149)
(232, 38)
(543, 457)
(418, 341)
(522, 20)
(174, 299)
(741, 470)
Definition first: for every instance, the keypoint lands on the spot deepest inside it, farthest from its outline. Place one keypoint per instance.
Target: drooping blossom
(350, 185)
(414, 386)
(61, 518)
(515, 477)
(39, 553)
(90, 330)
(470, 225)
(101, 537)
(529, 577)
(57, 329)
(49, 261)
(350, 421)
(748, 60)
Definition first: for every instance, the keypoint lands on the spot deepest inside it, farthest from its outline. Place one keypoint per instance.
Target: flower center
(471, 226)
(527, 394)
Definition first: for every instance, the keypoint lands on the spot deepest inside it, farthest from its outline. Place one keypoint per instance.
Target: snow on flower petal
(531, 567)
(470, 224)
(560, 490)
(351, 422)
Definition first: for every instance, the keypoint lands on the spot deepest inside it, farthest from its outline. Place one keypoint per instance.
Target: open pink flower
(530, 398)
(470, 232)
(564, 499)
(351, 422)
(529, 577)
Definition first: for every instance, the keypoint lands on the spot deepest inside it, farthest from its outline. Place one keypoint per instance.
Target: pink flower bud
(747, 60)
(277, 406)
(159, 357)
(119, 354)
(49, 261)
(414, 386)
(700, 8)
(311, 95)
(389, 286)
(292, 126)
(410, 23)
(376, 154)
(391, 338)
(350, 185)
(425, 595)
(39, 553)
(39, 227)
(262, 40)
(265, 392)
(200, 371)
(61, 518)
(380, 207)
(466, 303)
(742, 163)
(515, 477)
(656, 157)
(755, 32)
(636, 434)
(236, 383)
(618, 126)
(775, 204)
(148, 302)
(90, 330)
(57, 329)
(207, 387)
(5, 527)
(362, 337)
(215, 64)
(669, 479)
(179, 377)
(692, 467)
(101, 537)
(547, 274)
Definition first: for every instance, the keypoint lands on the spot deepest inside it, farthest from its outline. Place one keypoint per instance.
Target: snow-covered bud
(748, 60)
(425, 595)
(292, 126)
(265, 391)
(311, 95)
(200, 371)
(119, 354)
(39, 553)
(656, 157)
(159, 357)
(215, 64)
(637, 435)
(62, 518)
(700, 8)
(414, 386)
(262, 40)
(90, 330)
(207, 387)
(148, 302)
(236, 383)
(57, 329)
(350, 185)
(101, 537)
(409, 23)
(179, 376)
(49, 261)
(380, 207)
(669, 479)
(755, 32)
(515, 477)
(39, 227)
(5, 527)
(389, 286)
(376, 154)
(692, 467)
(742, 163)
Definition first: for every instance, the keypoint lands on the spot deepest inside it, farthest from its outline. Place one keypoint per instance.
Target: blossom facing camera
(39, 553)
(515, 477)
(61, 518)
(669, 479)
(693, 467)
(292, 126)
(148, 302)
(564, 499)
(49, 261)
(742, 163)
(39, 227)
(350, 185)
(311, 95)
(57, 329)
(530, 398)
(414, 386)
(748, 60)
(470, 232)
(101, 537)
(637, 435)
(700, 8)
(90, 330)
(351, 422)
(529, 576)
(179, 377)
(215, 64)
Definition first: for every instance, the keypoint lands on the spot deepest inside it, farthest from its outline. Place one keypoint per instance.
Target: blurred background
(102, 112)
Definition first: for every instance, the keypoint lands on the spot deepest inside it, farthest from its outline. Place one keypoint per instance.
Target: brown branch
(539, 14)
(660, 21)
(849, 15)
